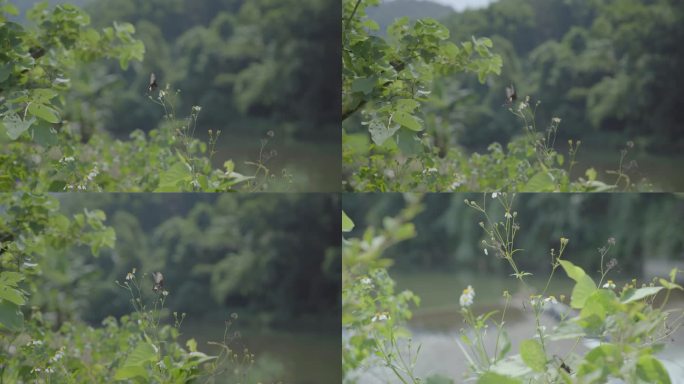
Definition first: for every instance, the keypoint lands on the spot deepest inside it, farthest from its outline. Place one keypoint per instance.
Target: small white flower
(129, 276)
(58, 356)
(366, 281)
(508, 215)
(49, 370)
(551, 299)
(466, 299)
(165, 293)
(92, 174)
(35, 342)
(36, 370)
(65, 160)
(609, 284)
(494, 195)
(486, 252)
(534, 300)
(161, 364)
(556, 120)
(380, 317)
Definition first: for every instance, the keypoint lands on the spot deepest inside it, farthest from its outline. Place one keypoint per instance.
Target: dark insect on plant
(153, 82)
(158, 282)
(510, 95)
(564, 366)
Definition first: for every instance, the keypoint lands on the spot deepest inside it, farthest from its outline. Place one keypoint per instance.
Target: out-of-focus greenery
(277, 256)
(644, 226)
(254, 65)
(257, 69)
(275, 259)
(603, 66)
(606, 68)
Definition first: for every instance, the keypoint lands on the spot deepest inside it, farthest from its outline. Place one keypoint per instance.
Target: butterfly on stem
(158, 282)
(153, 83)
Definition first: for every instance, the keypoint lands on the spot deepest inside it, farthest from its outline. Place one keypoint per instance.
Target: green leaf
(171, 178)
(591, 174)
(12, 295)
(669, 285)
(347, 223)
(44, 112)
(541, 182)
(533, 355)
(495, 378)
(363, 85)
(585, 285)
(637, 294)
(380, 133)
(651, 370)
(11, 316)
(407, 120)
(408, 143)
(135, 362)
(15, 126)
(5, 71)
(10, 278)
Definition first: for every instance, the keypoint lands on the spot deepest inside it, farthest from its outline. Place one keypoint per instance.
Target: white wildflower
(486, 252)
(380, 317)
(466, 299)
(508, 215)
(494, 195)
(609, 284)
(551, 299)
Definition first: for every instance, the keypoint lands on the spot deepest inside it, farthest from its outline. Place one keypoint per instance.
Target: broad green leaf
(12, 295)
(347, 223)
(11, 316)
(171, 178)
(651, 370)
(10, 278)
(134, 366)
(637, 294)
(5, 71)
(15, 126)
(363, 85)
(407, 120)
(533, 355)
(541, 182)
(10, 9)
(438, 379)
(669, 285)
(408, 143)
(124, 373)
(495, 378)
(380, 133)
(44, 112)
(584, 286)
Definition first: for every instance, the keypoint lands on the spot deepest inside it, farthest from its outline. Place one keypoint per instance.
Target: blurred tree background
(646, 228)
(273, 255)
(610, 69)
(253, 66)
(274, 259)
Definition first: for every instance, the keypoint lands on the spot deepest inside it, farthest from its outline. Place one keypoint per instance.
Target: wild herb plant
(43, 344)
(623, 328)
(43, 151)
(373, 314)
(393, 138)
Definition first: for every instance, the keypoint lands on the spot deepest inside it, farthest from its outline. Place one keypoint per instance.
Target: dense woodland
(244, 62)
(610, 69)
(535, 96)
